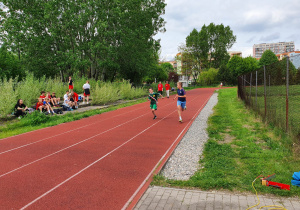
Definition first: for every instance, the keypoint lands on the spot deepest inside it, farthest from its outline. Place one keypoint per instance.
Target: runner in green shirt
(153, 101)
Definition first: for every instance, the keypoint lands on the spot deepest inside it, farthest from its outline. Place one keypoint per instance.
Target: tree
(220, 39)
(100, 39)
(235, 65)
(267, 58)
(10, 66)
(208, 77)
(167, 67)
(173, 77)
(226, 76)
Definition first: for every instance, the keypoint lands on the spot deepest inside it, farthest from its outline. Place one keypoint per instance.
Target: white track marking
(79, 172)
(25, 145)
(159, 162)
(16, 169)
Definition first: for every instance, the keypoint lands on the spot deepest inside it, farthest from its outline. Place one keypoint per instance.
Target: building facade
(277, 48)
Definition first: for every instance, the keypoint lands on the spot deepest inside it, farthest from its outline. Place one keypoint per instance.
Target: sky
(252, 22)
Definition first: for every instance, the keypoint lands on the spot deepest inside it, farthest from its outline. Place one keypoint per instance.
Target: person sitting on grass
(47, 104)
(48, 95)
(40, 106)
(55, 99)
(20, 109)
(43, 95)
(66, 96)
(75, 97)
(68, 103)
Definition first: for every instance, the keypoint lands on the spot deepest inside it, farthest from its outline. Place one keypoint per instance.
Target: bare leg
(179, 109)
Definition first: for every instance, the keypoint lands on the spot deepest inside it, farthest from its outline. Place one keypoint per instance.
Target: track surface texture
(100, 162)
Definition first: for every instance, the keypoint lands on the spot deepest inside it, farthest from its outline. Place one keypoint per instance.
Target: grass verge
(37, 121)
(240, 148)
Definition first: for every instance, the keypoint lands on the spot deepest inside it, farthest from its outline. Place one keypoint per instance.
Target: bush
(105, 93)
(35, 118)
(9, 98)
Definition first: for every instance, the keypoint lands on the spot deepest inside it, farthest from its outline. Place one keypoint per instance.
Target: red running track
(100, 162)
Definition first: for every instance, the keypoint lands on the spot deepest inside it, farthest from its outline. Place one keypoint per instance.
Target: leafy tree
(100, 39)
(226, 76)
(267, 58)
(173, 77)
(235, 65)
(158, 73)
(167, 67)
(10, 66)
(208, 77)
(220, 39)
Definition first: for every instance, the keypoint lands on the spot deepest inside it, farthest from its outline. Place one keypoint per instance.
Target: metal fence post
(250, 88)
(265, 91)
(256, 92)
(287, 94)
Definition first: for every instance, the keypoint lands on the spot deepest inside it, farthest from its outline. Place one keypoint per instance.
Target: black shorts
(160, 92)
(87, 91)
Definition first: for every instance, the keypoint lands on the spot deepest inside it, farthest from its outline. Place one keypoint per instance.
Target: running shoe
(185, 108)
(154, 117)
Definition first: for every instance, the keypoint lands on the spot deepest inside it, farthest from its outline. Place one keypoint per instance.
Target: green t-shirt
(153, 95)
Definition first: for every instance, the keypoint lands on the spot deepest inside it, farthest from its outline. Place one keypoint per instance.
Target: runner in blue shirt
(181, 101)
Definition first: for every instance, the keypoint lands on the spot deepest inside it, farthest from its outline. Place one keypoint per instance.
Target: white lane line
(16, 169)
(25, 145)
(159, 162)
(79, 172)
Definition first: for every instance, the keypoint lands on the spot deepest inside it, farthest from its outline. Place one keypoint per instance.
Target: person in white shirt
(66, 96)
(86, 88)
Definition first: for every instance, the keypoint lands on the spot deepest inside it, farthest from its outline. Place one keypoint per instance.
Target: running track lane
(101, 162)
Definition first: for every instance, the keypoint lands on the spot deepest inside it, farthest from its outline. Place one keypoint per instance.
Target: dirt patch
(227, 139)
(248, 126)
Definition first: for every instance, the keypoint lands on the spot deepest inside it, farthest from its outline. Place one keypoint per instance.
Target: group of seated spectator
(46, 101)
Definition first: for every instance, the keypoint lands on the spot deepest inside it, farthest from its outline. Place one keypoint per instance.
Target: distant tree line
(104, 40)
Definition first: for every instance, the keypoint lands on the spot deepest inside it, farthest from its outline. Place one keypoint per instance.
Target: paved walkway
(156, 198)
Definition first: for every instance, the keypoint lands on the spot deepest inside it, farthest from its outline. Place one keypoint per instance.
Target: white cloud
(251, 21)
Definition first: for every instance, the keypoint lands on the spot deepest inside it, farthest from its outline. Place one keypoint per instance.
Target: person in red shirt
(40, 105)
(160, 88)
(75, 97)
(167, 86)
(42, 96)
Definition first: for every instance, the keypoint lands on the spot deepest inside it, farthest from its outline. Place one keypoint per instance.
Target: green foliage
(219, 40)
(10, 66)
(167, 67)
(9, 98)
(29, 89)
(99, 39)
(34, 119)
(267, 58)
(237, 66)
(208, 77)
(226, 76)
(156, 72)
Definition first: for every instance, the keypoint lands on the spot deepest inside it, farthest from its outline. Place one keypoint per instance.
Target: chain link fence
(273, 91)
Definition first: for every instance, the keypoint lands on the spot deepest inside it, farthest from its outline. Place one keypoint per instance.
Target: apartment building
(277, 48)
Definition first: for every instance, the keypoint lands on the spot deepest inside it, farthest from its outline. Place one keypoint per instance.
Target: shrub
(9, 98)
(104, 94)
(35, 118)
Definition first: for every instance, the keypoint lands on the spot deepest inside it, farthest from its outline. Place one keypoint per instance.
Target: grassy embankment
(240, 148)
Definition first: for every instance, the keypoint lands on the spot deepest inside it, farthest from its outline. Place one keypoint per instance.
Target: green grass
(240, 148)
(276, 106)
(37, 121)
